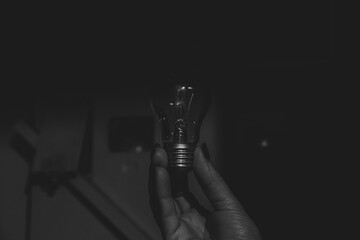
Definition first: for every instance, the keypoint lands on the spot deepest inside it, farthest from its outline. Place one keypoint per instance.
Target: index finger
(160, 191)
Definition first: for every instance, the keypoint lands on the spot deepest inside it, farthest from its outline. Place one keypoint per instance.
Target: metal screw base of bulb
(180, 156)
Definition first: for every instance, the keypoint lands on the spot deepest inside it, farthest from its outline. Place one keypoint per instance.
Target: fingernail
(154, 147)
(205, 151)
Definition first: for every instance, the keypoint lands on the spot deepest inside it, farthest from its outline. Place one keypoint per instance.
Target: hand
(182, 217)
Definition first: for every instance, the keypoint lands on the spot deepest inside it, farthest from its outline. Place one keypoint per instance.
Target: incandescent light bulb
(180, 107)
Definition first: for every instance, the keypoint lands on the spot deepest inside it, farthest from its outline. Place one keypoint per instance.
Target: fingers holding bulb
(160, 190)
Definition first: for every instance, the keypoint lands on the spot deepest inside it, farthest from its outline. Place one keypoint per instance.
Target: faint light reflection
(264, 143)
(138, 149)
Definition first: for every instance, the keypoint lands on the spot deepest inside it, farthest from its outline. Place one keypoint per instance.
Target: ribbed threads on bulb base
(180, 155)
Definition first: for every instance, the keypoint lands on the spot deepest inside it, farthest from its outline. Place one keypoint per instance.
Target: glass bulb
(180, 107)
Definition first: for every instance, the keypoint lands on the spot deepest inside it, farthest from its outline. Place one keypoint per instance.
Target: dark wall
(284, 184)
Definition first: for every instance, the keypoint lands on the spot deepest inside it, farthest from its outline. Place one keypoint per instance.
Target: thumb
(213, 185)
